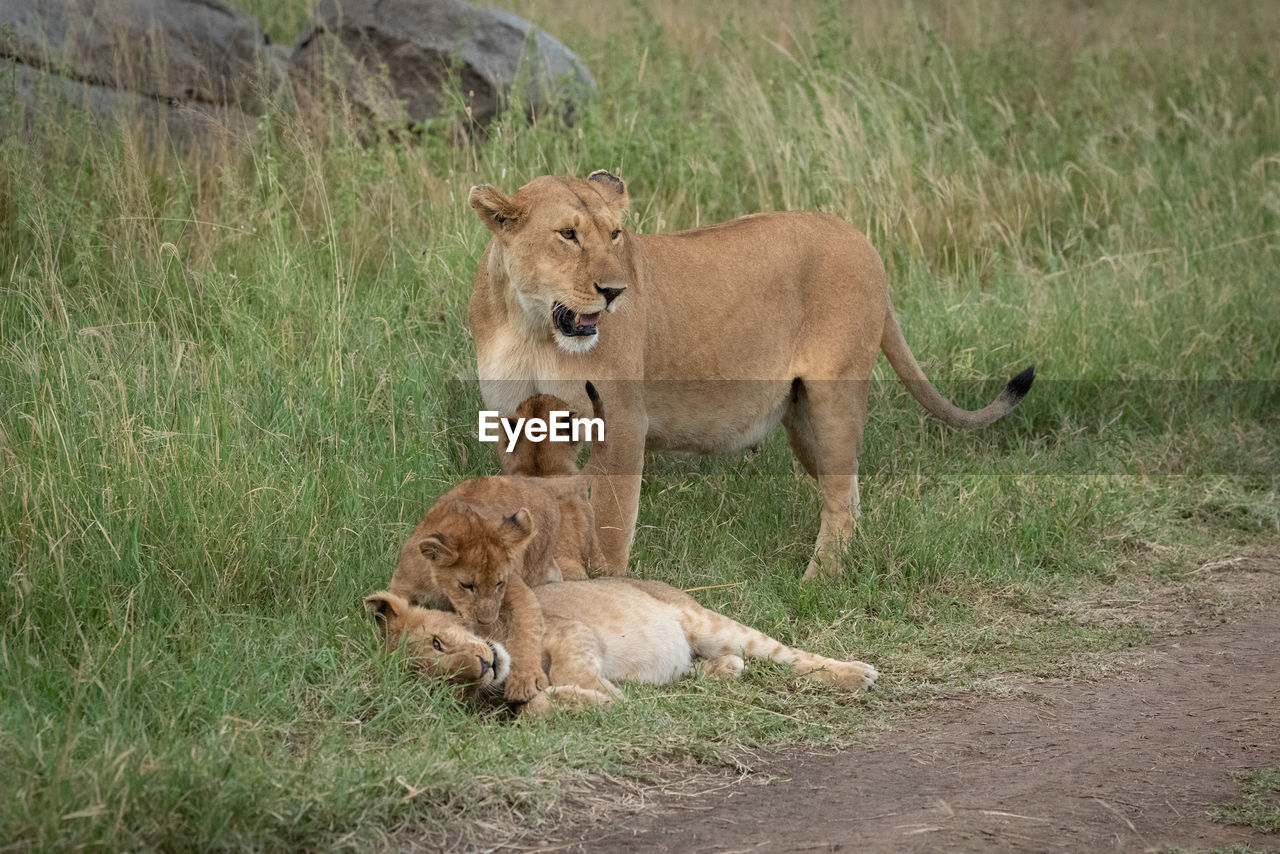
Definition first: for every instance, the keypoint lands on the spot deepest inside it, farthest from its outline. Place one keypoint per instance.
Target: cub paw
(723, 667)
(573, 697)
(522, 686)
(849, 675)
(537, 707)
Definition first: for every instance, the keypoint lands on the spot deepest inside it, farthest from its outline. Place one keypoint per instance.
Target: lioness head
(439, 643)
(561, 244)
(468, 558)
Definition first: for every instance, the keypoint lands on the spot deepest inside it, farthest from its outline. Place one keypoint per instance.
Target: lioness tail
(908, 370)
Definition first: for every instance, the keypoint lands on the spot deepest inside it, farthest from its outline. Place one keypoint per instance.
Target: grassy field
(231, 380)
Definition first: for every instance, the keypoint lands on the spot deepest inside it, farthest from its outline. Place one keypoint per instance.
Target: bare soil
(1131, 762)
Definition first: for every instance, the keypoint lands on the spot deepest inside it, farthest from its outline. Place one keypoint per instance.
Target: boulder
(31, 99)
(182, 50)
(397, 58)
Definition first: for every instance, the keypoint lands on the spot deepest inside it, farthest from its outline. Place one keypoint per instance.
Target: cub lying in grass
(598, 632)
(478, 550)
(577, 546)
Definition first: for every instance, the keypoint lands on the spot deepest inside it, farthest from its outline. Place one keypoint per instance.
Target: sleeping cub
(599, 632)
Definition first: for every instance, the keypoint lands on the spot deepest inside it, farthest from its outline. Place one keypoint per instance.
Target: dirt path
(1128, 763)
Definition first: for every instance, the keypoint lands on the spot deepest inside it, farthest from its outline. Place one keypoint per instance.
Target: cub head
(466, 557)
(561, 244)
(546, 458)
(438, 643)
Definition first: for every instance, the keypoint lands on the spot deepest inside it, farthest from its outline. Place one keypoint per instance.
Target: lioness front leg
(615, 490)
(524, 642)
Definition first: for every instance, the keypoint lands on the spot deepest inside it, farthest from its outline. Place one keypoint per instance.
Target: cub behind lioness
(598, 632)
(577, 546)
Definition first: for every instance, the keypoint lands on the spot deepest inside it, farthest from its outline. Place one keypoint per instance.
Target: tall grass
(228, 388)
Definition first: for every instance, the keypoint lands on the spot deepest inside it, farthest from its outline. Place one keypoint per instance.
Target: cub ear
(385, 605)
(497, 211)
(516, 529)
(597, 405)
(436, 550)
(613, 188)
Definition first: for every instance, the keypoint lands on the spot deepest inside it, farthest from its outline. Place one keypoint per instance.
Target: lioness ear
(496, 210)
(516, 529)
(385, 605)
(437, 551)
(612, 188)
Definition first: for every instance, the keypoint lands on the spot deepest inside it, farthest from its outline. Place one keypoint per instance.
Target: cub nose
(609, 294)
(485, 666)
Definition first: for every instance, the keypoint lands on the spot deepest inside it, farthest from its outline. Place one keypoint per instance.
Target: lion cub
(478, 550)
(598, 632)
(577, 547)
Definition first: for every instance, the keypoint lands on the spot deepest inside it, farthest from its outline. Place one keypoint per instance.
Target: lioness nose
(609, 294)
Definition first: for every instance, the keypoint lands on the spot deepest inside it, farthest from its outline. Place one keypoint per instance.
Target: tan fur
(608, 630)
(705, 340)
(577, 546)
(438, 642)
(478, 550)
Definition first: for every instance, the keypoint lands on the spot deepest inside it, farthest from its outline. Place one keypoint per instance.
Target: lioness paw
(522, 686)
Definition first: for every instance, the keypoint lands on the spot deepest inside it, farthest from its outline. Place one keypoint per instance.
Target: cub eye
(569, 234)
(617, 232)
(500, 583)
(466, 586)
(435, 643)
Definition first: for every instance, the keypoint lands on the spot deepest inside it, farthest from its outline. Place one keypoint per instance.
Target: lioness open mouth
(573, 325)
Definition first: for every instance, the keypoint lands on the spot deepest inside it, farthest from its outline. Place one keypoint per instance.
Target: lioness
(701, 340)
(598, 632)
(577, 546)
(478, 550)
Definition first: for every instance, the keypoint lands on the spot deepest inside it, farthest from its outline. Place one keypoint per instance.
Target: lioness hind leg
(824, 427)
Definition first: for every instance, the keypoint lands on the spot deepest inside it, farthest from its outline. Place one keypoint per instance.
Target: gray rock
(31, 98)
(187, 50)
(395, 58)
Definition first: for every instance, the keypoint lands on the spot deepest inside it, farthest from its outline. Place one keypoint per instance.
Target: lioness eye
(435, 642)
(616, 233)
(569, 234)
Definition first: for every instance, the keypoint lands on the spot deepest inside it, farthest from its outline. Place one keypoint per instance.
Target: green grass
(231, 380)
(1259, 803)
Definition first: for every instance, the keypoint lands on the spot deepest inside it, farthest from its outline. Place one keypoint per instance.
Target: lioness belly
(729, 414)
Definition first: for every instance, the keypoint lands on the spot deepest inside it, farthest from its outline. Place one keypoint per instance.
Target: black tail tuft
(1021, 384)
